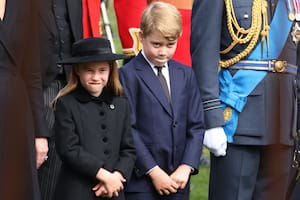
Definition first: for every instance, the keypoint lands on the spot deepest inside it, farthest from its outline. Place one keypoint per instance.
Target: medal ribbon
(293, 9)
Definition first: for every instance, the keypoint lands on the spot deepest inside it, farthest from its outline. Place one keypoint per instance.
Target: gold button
(279, 66)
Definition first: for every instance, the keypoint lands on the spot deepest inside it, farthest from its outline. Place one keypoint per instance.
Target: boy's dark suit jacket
(164, 135)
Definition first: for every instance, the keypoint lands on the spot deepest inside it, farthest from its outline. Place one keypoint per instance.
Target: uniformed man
(244, 53)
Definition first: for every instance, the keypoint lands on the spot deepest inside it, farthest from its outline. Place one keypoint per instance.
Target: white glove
(215, 140)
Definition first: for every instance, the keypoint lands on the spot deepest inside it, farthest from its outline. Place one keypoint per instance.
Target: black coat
(21, 101)
(61, 26)
(51, 41)
(91, 133)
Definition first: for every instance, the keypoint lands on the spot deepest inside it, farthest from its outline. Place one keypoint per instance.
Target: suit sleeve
(195, 126)
(206, 24)
(145, 160)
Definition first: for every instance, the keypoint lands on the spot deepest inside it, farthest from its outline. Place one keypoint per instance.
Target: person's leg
(296, 192)
(180, 195)
(233, 177)
(294, 183)
(274, 173)
(141, 196)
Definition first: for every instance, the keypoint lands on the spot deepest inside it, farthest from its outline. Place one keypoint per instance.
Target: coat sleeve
(206, 24)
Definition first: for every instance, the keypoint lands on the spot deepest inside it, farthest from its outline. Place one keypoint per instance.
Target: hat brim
(93, 58)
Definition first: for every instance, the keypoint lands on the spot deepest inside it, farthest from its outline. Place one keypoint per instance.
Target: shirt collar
(150, 63)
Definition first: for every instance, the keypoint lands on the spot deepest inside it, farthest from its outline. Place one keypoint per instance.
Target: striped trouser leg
(49, 171)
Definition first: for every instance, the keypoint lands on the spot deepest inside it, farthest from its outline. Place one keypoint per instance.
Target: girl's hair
(113, 83)
(162, 17)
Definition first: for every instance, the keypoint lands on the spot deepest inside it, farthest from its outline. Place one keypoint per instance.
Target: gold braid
(242, 36)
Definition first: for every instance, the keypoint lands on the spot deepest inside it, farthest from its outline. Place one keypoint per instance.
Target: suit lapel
(146, 74)
(6, 44)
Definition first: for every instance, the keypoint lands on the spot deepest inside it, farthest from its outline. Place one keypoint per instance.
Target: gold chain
(240, 35)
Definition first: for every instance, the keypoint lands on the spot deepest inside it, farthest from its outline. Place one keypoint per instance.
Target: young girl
(93, 133)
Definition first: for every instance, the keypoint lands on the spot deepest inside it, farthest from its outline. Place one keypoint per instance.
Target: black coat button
(105, 139)
(174, 124)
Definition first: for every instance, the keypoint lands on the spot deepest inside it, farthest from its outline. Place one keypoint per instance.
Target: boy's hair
(162, 17)
(113, 83)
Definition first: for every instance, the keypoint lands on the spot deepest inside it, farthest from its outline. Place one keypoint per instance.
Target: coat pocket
(251, 119)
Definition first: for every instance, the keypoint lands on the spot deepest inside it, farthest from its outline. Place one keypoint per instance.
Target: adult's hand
(41, 148)
(215, 140)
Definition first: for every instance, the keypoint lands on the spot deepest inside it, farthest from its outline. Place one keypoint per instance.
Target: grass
(199, 182)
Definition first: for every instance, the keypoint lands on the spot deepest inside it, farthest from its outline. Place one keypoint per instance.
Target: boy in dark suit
(167, 115)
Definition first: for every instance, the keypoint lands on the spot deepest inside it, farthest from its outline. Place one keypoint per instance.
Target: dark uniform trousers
(274, 161)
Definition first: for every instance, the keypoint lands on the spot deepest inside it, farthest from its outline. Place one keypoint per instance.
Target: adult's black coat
(20, 101)
(56, 48)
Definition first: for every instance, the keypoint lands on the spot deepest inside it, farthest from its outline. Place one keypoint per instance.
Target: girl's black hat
(91, 50)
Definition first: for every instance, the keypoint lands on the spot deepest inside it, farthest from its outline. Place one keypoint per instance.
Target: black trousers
(49, 171)
(180, 195)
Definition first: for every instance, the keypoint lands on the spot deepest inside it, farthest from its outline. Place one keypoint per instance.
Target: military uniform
(263, 109)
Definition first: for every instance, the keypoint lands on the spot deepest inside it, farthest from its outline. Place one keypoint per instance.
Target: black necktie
(163, 82)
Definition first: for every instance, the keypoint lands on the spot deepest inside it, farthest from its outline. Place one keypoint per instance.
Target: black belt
(270, 66)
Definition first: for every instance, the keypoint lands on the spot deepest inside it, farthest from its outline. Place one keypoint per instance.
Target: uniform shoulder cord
(241, 36)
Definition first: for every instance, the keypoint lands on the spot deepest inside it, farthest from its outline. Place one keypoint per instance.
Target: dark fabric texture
(91, 133)
(61, 26)
(20, 101)
(49, 171)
